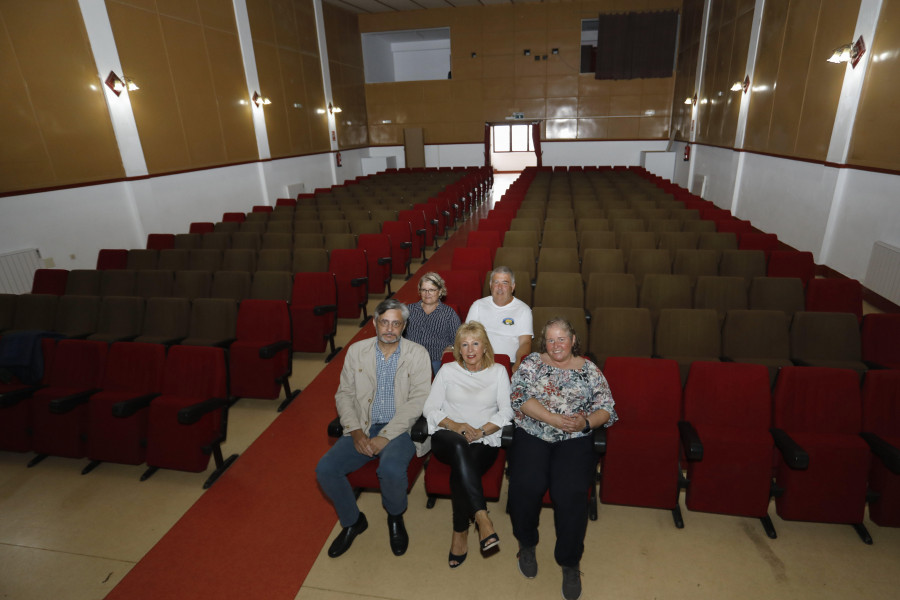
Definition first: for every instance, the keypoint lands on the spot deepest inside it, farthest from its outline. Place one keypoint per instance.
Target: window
(512, 138)
(589, 45)
(411, 55)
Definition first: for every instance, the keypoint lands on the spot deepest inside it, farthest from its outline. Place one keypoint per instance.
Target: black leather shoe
(397, 533)
(345, 538)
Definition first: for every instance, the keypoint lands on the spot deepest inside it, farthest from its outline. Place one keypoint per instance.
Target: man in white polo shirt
(506, 318)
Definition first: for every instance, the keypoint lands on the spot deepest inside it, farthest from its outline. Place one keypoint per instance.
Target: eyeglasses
(428, 291)
(394, 324)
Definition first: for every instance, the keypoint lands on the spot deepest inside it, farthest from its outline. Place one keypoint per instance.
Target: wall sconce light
(692, 101)
(851, 53)
(688, 101)
(334, 109)
(526, 52)
(841, 54)
(260, 100)
(554, 51)
(118, 86)
(474, 55)
(320, 111)
(736, 86)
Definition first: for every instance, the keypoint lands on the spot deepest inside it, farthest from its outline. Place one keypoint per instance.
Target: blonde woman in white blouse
(466, 409)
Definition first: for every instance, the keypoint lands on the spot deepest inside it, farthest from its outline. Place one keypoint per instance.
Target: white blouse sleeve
(504, 414)
(434, 404)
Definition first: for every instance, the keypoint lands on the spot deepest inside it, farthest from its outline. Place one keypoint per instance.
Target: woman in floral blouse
(558, 398)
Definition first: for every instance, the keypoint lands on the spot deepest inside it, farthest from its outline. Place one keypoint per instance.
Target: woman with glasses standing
(432, 323)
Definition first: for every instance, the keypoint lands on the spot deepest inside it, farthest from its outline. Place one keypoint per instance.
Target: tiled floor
(68, 536)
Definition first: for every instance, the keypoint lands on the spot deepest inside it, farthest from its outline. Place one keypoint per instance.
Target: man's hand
(361, 442)
(377, 444)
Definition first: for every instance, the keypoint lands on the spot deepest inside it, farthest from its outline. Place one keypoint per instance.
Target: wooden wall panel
(575, 105)
(56, 126)
(345, 61)
(290, 74)
(688, 51)
(727, 41)
(824, 80)
(875, 142)
(795, 90)
(765, 76)
(192, 110)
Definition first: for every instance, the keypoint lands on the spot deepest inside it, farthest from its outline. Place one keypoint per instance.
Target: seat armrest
(690, 441)
(384, 260)
(599, 435)
(191, 414)
(405, 245)
(506, 435)
(886, 452)
(794, 455)
(79, 336)
(224, 343)
(324, 309)
(799, 362)
(335, 429)
(126, 408)
(419, 431)
(60, 406)
(15, 396)
(359, 281)
(272, 350)
(874, 366)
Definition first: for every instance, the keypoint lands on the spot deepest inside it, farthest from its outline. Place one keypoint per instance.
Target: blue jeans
(342, 459)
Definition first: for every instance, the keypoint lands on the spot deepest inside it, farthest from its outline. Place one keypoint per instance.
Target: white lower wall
(627, 153)
(69, 226)
(836, 213)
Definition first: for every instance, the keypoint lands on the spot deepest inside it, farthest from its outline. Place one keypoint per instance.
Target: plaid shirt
(385, 372)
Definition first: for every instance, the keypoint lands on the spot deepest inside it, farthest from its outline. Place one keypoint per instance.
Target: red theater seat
(823, 463)
(881, 424)
(59, 411)
(260, 358)
(117, 415)
(189, 421)
(640, 465)
(728, 411)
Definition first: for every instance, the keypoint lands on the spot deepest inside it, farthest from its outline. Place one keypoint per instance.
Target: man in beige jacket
(384, 383)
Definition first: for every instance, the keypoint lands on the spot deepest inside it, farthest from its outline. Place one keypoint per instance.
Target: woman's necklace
(469, 371)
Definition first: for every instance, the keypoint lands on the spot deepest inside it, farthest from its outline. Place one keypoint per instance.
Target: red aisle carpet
(257, 532)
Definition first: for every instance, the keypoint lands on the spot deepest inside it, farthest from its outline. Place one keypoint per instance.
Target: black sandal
(458, 558)
(491, 541)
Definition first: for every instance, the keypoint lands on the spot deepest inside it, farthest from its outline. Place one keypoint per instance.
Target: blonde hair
(476, 330)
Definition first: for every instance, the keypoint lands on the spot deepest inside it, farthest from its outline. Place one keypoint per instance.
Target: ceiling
(379, 6)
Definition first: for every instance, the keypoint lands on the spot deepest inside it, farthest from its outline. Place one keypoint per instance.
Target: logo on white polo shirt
(509, 321)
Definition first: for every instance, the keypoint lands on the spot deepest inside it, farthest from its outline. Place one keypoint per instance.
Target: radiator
(17, 270)
(883, 274)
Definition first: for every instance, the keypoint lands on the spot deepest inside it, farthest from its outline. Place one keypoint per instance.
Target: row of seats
(127, 403)
(720, 422)
(315, 300)
(733, 443)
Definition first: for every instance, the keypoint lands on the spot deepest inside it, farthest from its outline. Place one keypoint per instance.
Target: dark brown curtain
(536, 141)
(636, 45)
(487, 145)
